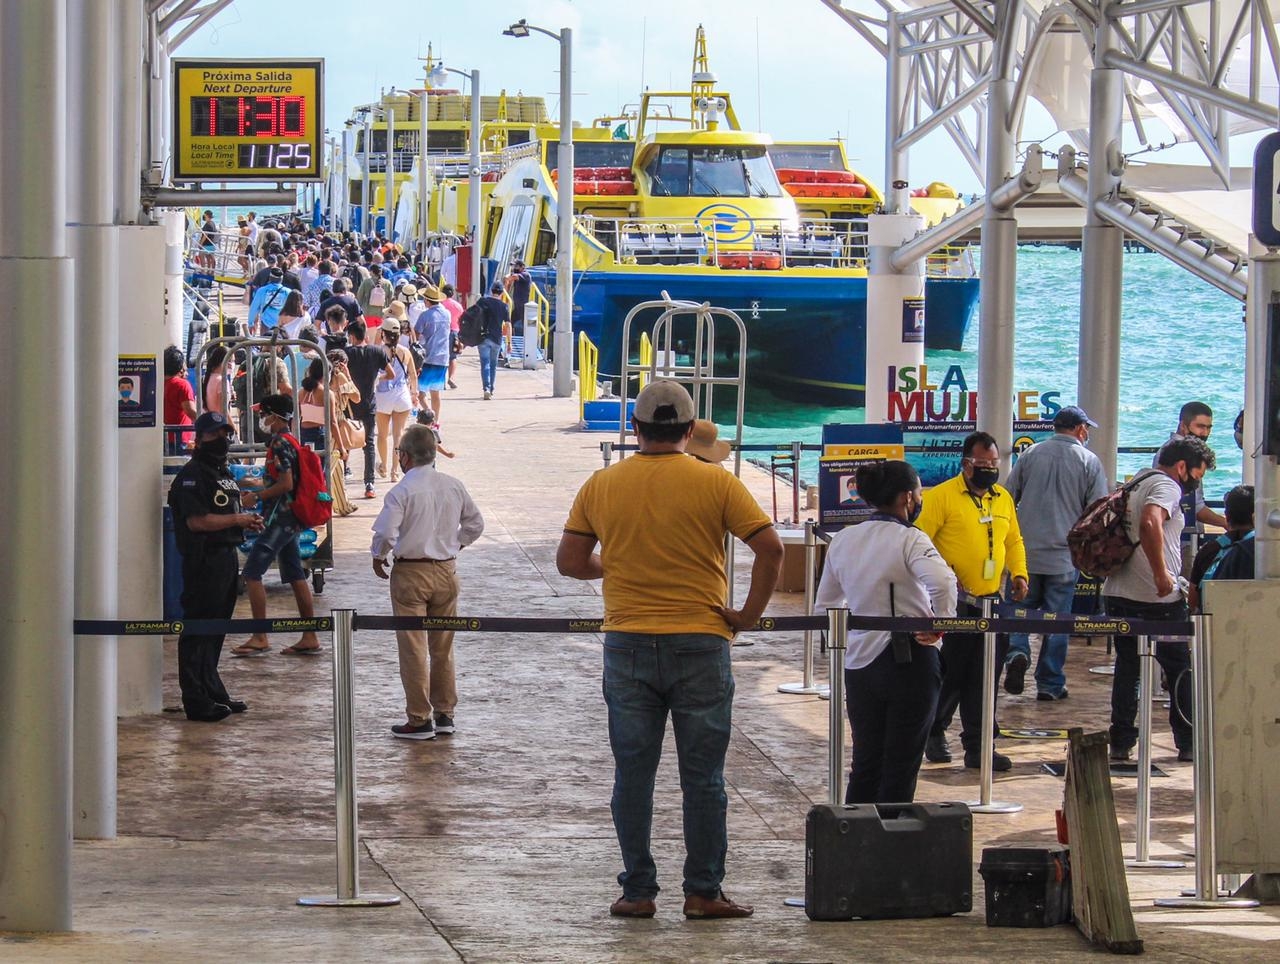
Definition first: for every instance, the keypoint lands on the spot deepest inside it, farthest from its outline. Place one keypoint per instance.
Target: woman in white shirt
(882, 567)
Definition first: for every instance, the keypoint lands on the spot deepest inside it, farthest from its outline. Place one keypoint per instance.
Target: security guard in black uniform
(208, 523)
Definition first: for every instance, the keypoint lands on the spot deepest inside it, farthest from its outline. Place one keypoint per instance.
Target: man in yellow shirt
(660, 519)
(973, 524)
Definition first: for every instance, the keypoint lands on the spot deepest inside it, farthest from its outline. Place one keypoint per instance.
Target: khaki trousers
(426, 589)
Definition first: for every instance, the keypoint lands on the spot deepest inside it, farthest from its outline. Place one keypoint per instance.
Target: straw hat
(430, 293)
(398, 309)
(705, 442)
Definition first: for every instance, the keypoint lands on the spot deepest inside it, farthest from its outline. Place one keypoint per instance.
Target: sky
(793, 68)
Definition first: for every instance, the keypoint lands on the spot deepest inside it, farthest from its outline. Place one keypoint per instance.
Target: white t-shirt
(1135, 580)
(863, 560)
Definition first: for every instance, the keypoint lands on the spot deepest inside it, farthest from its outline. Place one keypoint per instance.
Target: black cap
(212, 422)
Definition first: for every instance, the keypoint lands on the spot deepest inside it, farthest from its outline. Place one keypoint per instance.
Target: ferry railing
(544, 321)
(229, 265)
(838, 243)
(588, 368)
(951, 261)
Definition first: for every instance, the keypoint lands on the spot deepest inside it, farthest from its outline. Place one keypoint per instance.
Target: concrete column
(999, 277)
(36, 477)
(424, 189)
(142, 488)
(473, 186)
(366, 190)
(889, 295)
(91, 196)
(174, 222)
(388, 202)
(1098, 382)
(1263, 303)
(128, 96)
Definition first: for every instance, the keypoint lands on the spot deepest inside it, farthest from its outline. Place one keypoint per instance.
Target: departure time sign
(247, 120)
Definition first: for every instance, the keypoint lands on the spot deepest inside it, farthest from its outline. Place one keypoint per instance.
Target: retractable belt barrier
(1028, 621)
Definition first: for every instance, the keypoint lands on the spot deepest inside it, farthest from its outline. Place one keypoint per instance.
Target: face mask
(985, 478)
(264, 426)
(126, 395)
(216, 449)
(915, 511)
(1189, 485)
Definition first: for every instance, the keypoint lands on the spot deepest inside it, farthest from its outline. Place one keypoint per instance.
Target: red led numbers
(250, 116)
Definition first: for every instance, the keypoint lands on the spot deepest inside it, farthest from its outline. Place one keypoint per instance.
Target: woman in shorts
(391, 395)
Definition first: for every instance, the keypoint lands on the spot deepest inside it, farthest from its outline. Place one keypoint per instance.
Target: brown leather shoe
(707, 908)
(641, 907)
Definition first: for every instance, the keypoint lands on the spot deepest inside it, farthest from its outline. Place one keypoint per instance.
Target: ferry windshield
(594, 154)
(713, 172)
(808, 157)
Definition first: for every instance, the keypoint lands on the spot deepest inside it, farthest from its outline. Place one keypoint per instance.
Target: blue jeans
(645, 677)
(488, 363)
(1054, 594)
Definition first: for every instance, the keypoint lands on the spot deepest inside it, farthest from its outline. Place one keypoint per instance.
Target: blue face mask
(126, 395)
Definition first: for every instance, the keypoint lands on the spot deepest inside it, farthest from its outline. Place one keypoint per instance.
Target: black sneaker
(236, 706)
(1121, 754)
(1015, 672)
(936, 749)
(218, 711)
(444, 724)
(999, 762)
(1046, 697)
(1186, 755)
(407, 731)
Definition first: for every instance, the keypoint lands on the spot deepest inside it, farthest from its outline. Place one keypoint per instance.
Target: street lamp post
(562, 346)
(473, 174)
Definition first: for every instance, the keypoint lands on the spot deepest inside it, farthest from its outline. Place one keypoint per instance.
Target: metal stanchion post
(837, 641)
(807, 687)
(344, 776)
(1142, 848)
(1206, 893)
(796, 451)
(984, 803)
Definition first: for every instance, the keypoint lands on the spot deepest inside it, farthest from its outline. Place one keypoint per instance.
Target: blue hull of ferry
(805, 336)
(949, 306)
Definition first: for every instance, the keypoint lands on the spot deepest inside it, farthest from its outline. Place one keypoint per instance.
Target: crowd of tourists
(388, 329)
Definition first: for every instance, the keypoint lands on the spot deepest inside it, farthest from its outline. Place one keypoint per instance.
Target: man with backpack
(485, 332)
(1146, 587)
(264, 312)
(1231, 554)
(279, 538)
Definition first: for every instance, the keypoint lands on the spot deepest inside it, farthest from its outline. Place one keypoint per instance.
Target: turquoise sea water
(1180, 340)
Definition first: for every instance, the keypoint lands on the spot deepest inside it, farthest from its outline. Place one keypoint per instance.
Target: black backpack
(471, 324)
(419, 354)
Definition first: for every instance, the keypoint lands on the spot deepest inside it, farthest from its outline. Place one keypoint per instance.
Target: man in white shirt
(425, 521)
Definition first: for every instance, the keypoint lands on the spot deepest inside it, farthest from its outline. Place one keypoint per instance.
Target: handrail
(588, 367)
(544, 316)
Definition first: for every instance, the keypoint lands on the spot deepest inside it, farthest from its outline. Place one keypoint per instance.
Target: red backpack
(312, 503)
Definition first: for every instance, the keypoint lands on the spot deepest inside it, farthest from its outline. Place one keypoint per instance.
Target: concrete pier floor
(498, 839)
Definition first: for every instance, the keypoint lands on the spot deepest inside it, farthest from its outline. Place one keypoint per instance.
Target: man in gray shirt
(1052, 483)
(1146, 587)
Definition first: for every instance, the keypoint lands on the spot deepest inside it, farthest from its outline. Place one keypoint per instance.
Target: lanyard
(990, 523)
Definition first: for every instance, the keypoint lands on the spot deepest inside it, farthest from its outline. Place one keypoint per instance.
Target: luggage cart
(248, 447)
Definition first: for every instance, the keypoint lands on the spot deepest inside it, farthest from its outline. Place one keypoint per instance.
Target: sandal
(296, 650)
(244, 649)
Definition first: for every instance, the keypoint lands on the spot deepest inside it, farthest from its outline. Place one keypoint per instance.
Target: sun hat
(705, 442)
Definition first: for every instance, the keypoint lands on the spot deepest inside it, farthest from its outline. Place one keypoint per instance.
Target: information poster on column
(844, 449)
(137, 391)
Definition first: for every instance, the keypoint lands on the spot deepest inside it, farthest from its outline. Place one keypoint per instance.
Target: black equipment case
(1027, 886)
(888, 860)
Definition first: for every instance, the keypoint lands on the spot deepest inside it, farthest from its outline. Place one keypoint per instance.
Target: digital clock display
(249, 116)
(257, 120)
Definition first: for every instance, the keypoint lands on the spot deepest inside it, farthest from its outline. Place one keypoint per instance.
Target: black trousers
(890, 707)
(208, 592)
(1174, 658)
(370, 421)
(962, 681)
